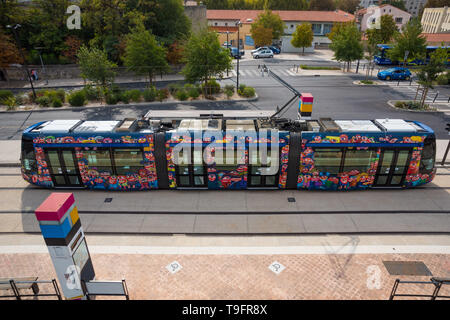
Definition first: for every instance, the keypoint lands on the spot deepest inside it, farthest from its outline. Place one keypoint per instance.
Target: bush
(181, 95)
(77, 99)
(11, 103)
(194, 93)
(443, 79)
(111, 98)
(249, 92)
(242, 87)
(91, 93)
(410, 105)
(44, 101)
(4, 95)
(61, 94)
(57, 103)
(366, 81)
(135, 95)
(229, 90)
(150, 94)
(212, 87)
(173, 88)
(162, 95)
(125, 97)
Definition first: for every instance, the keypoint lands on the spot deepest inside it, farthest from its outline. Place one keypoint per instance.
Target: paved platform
(326, 267)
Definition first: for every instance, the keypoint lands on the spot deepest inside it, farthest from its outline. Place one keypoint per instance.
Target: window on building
(398, 20)
(317, 28)
(327, 28)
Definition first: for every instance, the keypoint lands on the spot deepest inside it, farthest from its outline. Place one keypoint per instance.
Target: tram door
(63, 168)
(392, 167)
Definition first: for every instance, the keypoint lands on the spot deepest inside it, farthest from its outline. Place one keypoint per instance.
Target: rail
(437, 282)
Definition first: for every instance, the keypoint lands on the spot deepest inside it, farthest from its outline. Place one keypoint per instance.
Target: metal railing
(16, 285)
(437, 282)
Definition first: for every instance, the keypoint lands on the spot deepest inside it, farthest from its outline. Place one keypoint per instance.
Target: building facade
(370, 17)
(436, 20)
(414, 6)
(224, 22)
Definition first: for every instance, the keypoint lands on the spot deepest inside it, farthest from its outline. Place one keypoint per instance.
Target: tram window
(100, 160)
(69, 162)
(358, 160)
(328, 160)
(402, 162)
(29, 157)
(128, 161)
(55, 164)
(428, 155)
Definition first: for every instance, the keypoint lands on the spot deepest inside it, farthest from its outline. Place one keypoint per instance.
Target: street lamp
(238, 24)
(228, 48)
(14, 30)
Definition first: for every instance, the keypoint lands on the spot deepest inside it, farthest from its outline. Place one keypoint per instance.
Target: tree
(262, 36)
(347, 5)
(9, 53)
(303, 36)
(175, 53)
(143, 55)
(429, 72)
(346, 44)
(270, 20)
(96, 67)
(386, 32)
(322, 5)
(205, 57)
(411, 40)
(371, 48)
(73, 45)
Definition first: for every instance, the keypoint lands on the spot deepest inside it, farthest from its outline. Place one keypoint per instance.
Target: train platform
(232, 268)
(420, 210)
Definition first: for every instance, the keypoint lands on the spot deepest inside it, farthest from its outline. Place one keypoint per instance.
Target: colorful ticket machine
(306, 106)
(62, 231)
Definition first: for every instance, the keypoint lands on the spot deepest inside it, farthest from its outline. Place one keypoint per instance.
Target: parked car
(267, 53)
(235, 53)
(397, 73)
(259, 49)
(275, 50)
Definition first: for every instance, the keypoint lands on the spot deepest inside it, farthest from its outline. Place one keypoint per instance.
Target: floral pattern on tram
(146, 178)
(310, 178)
(42, 177)
(413, 177)
(357, 138)
(233, 179)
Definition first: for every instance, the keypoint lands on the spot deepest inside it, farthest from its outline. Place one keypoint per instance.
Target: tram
(382, 57)
(176, 150)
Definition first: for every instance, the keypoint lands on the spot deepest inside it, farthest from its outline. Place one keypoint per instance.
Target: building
(437, 39)
(368, 3)
(414, 6)
(436, 20)
(196, 12)
(369, 17)
(224, 21)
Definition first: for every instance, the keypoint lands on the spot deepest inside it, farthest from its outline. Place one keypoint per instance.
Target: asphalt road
(335, 97)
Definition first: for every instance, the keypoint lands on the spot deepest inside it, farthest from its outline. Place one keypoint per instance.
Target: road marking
(211, 250)
(174, 267)
(276, 267)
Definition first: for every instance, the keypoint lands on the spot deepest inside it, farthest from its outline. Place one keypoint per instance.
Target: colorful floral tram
(319, 154)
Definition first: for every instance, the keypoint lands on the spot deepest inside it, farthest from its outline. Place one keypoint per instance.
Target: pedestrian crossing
(409, 89)
(255, 73)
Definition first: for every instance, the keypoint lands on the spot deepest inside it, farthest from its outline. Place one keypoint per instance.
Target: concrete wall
(197, 15)
(287, 47)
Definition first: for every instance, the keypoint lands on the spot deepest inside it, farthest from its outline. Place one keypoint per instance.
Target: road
(335, 97)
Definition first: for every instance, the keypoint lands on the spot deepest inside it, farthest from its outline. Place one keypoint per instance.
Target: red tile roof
(437, 37)
(310, 16)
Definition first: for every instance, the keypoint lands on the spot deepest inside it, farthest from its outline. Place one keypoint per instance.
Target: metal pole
(228, 48)
(446, 153)
(23, 57)
(437, 94)
(357, 67)
(239, 53)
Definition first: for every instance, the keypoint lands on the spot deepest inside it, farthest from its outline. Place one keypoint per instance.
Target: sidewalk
(325, 267)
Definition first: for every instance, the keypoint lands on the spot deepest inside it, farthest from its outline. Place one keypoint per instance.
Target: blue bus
(382, 58)
(148, 154)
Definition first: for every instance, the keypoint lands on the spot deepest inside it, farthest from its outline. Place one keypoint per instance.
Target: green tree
(143, 55)
(346, 44)
(303, 36)
(410, 40)
(371, 49)
(262, 36)
(429, 72)
(322, 5)
(270, 20)
(347, 5)
(205, 57)
(96, 67)
(386, 32)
